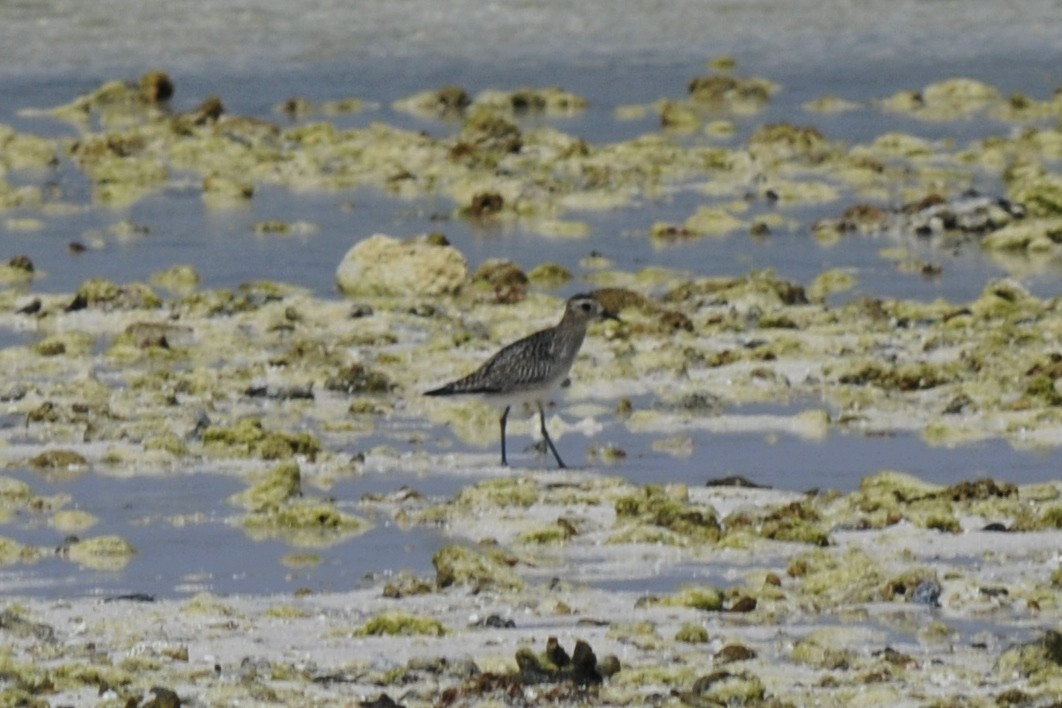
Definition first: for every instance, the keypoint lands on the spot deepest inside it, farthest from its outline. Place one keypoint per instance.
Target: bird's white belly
(520, 397)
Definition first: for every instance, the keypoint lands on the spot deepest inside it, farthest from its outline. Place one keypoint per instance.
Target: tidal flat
(617, 583)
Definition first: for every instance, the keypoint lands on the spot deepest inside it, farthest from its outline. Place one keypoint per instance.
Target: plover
(530, 369)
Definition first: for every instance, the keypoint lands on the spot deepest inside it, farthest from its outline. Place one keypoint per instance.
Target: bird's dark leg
(504, 416)
(545, 434)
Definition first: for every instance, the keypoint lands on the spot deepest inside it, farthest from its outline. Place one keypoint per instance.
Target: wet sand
(782, 622)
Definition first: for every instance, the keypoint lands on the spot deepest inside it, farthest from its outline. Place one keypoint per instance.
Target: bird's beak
(606, 315)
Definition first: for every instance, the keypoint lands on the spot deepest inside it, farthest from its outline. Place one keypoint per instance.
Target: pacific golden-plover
(528, 370)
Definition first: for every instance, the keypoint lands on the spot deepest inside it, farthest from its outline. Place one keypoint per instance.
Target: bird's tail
(446, 390)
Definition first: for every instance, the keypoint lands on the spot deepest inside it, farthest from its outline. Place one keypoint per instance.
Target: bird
(529, 369)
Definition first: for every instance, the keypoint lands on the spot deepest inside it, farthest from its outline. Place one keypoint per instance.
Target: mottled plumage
(528, 370)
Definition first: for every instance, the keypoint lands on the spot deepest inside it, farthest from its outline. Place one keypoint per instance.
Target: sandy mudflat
(783, 622)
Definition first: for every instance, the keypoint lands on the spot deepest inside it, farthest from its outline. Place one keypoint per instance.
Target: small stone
(927, 592)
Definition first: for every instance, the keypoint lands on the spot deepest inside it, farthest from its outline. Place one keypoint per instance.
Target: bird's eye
(586, 307)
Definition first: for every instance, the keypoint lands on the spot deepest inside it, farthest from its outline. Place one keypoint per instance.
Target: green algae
(821, 649)
(607, 454)
(70, 344)
(207, 604)
(12, 552)
(888, 497)
(20, 151)
(653, 512)
(277, 486)
(59, 460)
(107, 295)
(550, 535)
(830, 282)
(1038, 517)
(497, 281)
(19, 270)
(303, 522)
(119, 102)
(499, 494)
(828, 578)
(486, 136)
(406, 584)
(166, 442)
(180, 279)
(99, 676)
(740, 94)
(797, 522)
(642, 633)
(551, 101)
(1031, 235)
(72, 520)
(14, 493)
(725, 688)
(460, 565)
(445, 102)
(286, 612)
(699, 597)
(549, 275)
(678, 116)
(691, 633)
(1042, 196)
(401, 624)
(707, 221)
(1039, 662)
(108, 552)
(907, 377)
(301, 560)
(761, 286)
(25, 684)
(153, 341)
(248, 438)
(946, 100)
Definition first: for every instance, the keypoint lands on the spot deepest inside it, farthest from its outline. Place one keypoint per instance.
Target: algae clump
(102, 552)
(549, 535)
(690, 633)
(401, 624)
(461, 565)
(71, 520)
(249, 439)
(102, 293)
(796, 522)
(280, 484)
(820, 649)
(11, 551)
(705, 598)
(653, 512)
(303, 522)
(14, 493)
(829, 578)
(58, 460)
(1038, 661)
(498, 493)
(725, 688)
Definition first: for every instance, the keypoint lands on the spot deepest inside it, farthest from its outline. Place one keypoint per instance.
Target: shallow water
(188, 538)
(256, 55)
